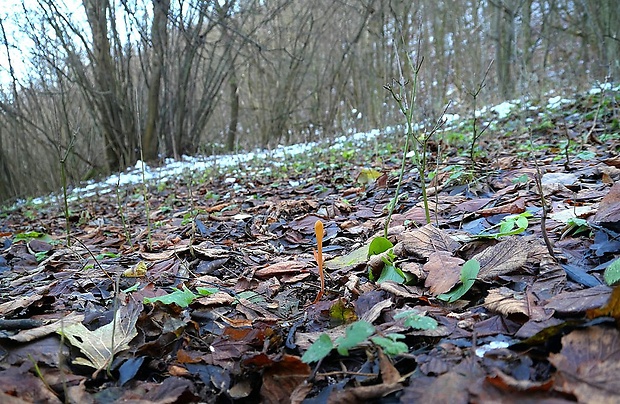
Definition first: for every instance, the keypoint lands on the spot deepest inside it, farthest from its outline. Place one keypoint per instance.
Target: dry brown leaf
(506, 301)
(389, 374)
(444, 271)
(588, 365)
(30, 335)
(502, 258)
(216, 299)
(6, 309)
(375, 311)
(581, 300)
(282, 378)
(424, 241)
(609, 207)
(406, 291)
(280, 268)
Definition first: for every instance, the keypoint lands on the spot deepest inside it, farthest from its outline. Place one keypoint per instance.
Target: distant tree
(159, 38)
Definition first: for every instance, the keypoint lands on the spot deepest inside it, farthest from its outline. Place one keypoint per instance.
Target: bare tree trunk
(107, 87)
(159, 35)
(231, 136)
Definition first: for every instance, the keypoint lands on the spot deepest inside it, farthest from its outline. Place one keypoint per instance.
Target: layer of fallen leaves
(214, 303)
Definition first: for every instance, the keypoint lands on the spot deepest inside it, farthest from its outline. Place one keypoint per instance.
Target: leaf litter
(217, 302)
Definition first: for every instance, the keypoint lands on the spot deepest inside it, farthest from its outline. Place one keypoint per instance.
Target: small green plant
(106, 254)
(612, 273)
(181, 297)
(40, 256)
(362, 331)
(384, 249)
(32, 235)
(575, 226)
(510, 225)
(469, 272)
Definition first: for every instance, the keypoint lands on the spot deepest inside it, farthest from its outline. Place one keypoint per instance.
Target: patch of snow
(491, 346)
(503, 110)
(449, 118)
(556, 102)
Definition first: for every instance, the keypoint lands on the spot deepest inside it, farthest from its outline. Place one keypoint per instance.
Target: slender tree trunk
(159, 34)
(231, 136)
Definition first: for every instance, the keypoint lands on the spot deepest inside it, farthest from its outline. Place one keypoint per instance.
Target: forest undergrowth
(206, 288)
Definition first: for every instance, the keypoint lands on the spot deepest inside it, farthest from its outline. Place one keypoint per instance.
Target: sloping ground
(211, 300)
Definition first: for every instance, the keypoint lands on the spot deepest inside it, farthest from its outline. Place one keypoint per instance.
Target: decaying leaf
(280, 268)
(608, 213)
(100, 346)
(580, 300)
(502, 258)
(444, 271)
(506, 301)
(588, 365)
(424, 241)
(30, 335)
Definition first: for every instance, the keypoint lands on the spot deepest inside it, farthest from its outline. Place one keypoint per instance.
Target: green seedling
(469, 272)
(40, 256)
(355, 334)
(33, 235)
(612, 273)
(181, 297)
(509, 226)
(384, 247)
(522, 179)
(575, 226)
(104, 255)
(362, 331)
(416, 321)
(390, 344)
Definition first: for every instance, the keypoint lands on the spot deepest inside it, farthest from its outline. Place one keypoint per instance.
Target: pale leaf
(100, 346)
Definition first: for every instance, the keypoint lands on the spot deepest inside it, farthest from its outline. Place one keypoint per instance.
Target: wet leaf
(342, 312)
(502, 258)
(588, 365)
(424, 241)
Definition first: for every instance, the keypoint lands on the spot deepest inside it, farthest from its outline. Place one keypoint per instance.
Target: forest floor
(213, 299)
